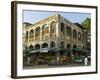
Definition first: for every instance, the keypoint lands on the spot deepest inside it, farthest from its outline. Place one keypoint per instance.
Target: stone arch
(74, 33)
(79, 35)
(52, 44)
(68, 46)
(31, 33)
(68, 31)
(45, 29)
(37, 32)
(74, 46)
(52, 27)
(44, 45)
(30, 47)
(26, 36)
(62, 27)
(62, 44)
(37, 46)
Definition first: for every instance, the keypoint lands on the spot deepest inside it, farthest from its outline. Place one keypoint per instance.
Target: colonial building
(55, 35)
(54, 32)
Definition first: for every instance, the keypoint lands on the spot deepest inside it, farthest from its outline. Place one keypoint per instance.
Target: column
(41, 33)
(49, 30)
(34, 34)
(28, 36)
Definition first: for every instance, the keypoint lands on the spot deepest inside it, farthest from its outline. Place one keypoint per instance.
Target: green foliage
(86, 23)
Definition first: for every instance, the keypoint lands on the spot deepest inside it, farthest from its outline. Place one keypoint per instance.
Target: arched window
(37, 46)
(74, 46)
(68, 46)
(53, 27)
(74, 33)
(31, 33)
(31, 47)
(68, 30)
(37, 32)
(62, 27)
(45, 45)
(62, 45)
(79, 36)
(52, 45)
(45, 29)
(26, 34)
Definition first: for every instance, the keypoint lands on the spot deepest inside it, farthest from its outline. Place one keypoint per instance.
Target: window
(37, 32)
(79, 36)
(68, 46)
(52, 27)
(45, 29)
(62, 27)
(31, 47)
(45, 45)
(52, 45)
(62, 45)
(31, 33)
(74, 33)
(68, 30)
(37, 46)
(26, 37)
(74, 46)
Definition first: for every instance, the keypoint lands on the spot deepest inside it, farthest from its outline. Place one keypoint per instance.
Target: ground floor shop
(60, 57)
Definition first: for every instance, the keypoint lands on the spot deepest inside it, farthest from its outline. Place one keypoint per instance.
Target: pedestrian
(85, 61)
(53, 62)
(28, 60)
(72, 58)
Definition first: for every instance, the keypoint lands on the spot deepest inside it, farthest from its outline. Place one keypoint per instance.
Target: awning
(34, 51)
(86, 50)
(77, 49)
(65, 50)
(81, 50)
(62, 49)
(46, 50)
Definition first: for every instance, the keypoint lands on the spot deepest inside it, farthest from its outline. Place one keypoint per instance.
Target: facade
(63, 41)
(54, 32)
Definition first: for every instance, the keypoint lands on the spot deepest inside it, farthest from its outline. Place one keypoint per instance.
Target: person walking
(85, 61)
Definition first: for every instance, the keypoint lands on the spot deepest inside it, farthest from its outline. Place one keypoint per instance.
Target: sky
(32, 16)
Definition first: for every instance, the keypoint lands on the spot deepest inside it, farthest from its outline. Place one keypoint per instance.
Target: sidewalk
(55, 66)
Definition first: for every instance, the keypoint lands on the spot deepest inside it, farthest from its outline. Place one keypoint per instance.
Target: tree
(87, 24)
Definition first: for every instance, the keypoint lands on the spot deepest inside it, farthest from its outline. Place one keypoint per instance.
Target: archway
(44, 45)
(37, 46)
(31, 47)
(52, 45)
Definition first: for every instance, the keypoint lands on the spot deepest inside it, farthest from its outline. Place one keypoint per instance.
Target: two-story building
(54, 32)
